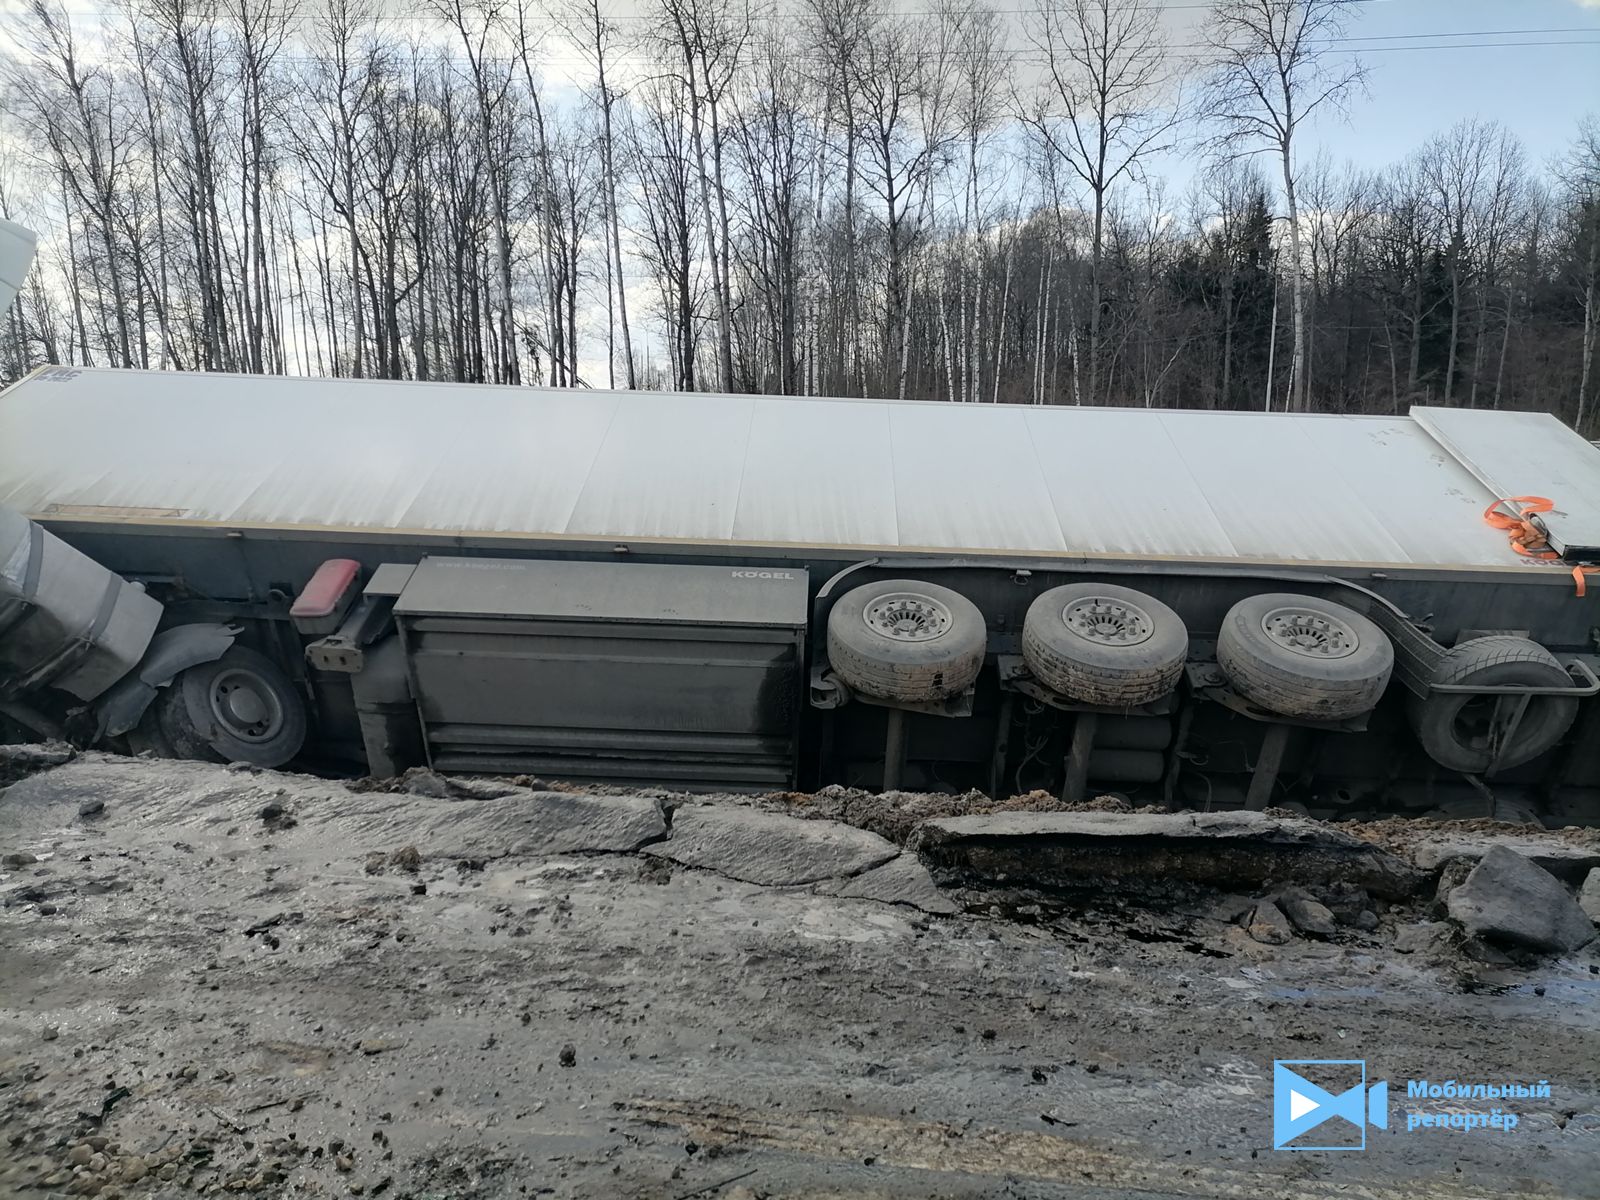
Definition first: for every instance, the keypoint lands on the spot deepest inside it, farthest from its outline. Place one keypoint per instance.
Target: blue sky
(1538, 92)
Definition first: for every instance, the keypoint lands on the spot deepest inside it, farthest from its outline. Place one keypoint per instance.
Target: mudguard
(171, 652)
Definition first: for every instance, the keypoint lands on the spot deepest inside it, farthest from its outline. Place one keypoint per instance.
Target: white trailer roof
(410, 458)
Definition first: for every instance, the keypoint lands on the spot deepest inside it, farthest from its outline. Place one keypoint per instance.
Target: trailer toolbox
(686, 675)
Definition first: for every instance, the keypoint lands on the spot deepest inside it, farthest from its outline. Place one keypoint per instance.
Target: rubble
(1589, 895)
(1423, 937)
(1306, 912)
(17, 761)
(407, 858)
(1230, 908)
(1452, 874)
(1268, 925)
(1349, 904)
(1508, 899)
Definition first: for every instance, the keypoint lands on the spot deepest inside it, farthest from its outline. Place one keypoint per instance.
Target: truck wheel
(1304, 657)
(1102, 644)
(904, 639)
(1454, 727)
(241, 708)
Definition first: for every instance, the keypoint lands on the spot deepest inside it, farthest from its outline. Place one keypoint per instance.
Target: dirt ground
(217, 981)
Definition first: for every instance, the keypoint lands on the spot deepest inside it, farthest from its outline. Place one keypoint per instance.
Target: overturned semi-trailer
(757, 592)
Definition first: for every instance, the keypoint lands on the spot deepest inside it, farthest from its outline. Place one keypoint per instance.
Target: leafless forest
(824, 197)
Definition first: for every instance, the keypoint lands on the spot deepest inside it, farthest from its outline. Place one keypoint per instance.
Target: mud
(227, 982)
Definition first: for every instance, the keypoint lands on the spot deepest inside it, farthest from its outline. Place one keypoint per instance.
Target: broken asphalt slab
(1570, 861)
(768, 848)
(1134, 852)
(902, 880)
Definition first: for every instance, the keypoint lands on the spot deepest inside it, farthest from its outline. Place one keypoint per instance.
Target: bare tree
(981, 78)
(545, 191)
(333, 147)
(1276, 63)
(1340, 210)
(1580, 172)
(261, 28)
(233, 184)
(77, 111)
(660, 146)
(1228, 203)
(839, 29)
(777, 155)
(1106, 103)
(708, 38)
(478, 22)
(596, 36)
(1468, 173)
(902, 103)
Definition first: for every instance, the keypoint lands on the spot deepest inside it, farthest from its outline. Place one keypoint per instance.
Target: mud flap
(171, 652)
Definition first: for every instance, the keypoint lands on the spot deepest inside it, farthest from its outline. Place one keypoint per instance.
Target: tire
(1452, 726)
(1302, 656)
(1102, 644)
(241, 708)
(906, 640)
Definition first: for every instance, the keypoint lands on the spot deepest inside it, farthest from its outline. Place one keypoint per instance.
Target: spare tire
(907, 640)
(1454, 727)
(1102, 644)
(1303, 656)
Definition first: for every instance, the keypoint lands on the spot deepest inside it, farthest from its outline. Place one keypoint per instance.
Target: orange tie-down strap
(1527, 538)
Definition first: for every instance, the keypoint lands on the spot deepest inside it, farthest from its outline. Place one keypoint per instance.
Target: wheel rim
(1108, 622)
(1473, 726)
(1310, 633)
(245, 705)
(908, 617)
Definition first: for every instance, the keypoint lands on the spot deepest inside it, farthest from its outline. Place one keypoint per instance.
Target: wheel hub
(1108, 622)
(1310, 633)
(245, 706)
(908, 617)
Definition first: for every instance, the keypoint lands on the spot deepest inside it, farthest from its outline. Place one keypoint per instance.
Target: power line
(107, 10)
(922, 12)
(1397, 37)
(1473, 46)
(1035, 54)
